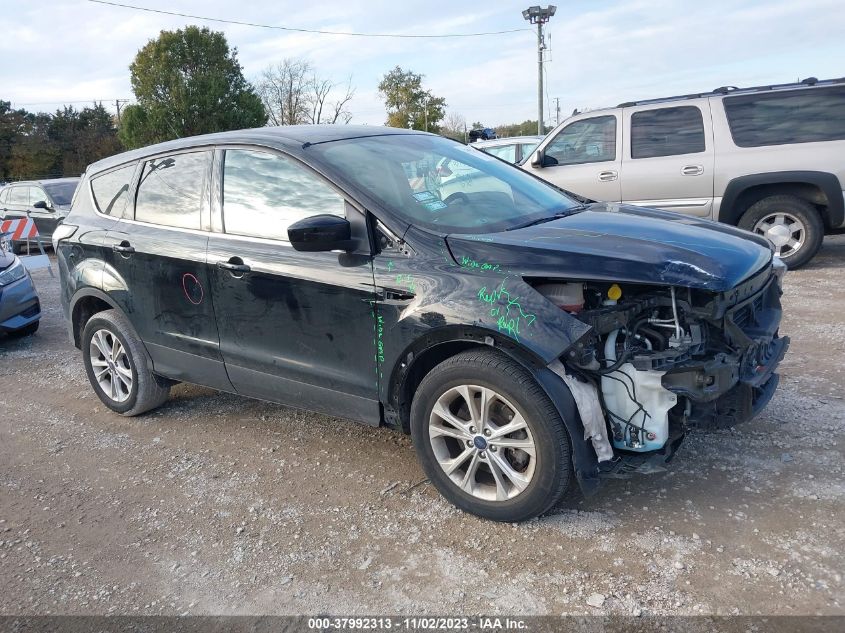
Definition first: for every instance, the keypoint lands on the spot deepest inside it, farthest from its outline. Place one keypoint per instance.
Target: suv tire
(118, 367)
(489, 473)
(793, 225)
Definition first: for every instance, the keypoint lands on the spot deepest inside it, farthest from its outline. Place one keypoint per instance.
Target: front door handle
(124, 248)
(608, 176)
(692, 170)
(235, 265)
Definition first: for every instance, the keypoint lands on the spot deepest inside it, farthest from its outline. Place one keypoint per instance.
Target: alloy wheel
(110, 365)
(785, 231)
(482, 442)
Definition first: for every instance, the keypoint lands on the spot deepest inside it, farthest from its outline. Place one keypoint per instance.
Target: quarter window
(265, 193)
(170, 191)
(803, 116)
(667, 132)
(586, 141)
(111, 190)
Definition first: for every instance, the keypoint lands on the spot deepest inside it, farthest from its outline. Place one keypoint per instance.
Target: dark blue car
(20, 310)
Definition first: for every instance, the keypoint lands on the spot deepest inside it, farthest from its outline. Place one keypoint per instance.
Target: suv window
(505, 152)
(4, 193)
(804, 116)
(37, 194)
(667, 132)
(19, 196)
(170, 191)
(585, 141)
(265, 193)
(111, 190)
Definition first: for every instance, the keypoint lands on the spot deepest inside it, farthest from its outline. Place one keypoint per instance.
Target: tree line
(188, 82)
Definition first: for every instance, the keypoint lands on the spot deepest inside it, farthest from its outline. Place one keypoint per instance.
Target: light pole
(539, 16)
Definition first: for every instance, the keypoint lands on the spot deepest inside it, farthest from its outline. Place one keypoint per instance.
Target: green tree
(408, 103)
(82, 137)
(188, 82)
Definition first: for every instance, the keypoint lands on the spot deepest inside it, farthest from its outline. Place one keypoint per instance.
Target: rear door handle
(608, 176)
(124, 248)
(692, 170)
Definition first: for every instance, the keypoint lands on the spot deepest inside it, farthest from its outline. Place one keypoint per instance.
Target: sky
(601, 52)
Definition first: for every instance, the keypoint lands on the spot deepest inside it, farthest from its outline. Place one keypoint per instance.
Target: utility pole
(539, 16)
(425, 106)
(117, 104)
(557, 111)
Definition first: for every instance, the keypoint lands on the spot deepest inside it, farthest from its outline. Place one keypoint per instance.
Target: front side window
(111, 190)
(439, 184)
(586, 141)
(19, 196)
(263, 194)
(667, 132)
(36, 194)
(803, 116)
(171, 188)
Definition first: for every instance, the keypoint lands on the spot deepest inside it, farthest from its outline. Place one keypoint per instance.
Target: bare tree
(293, 94)
(284, 89)
(454, 126)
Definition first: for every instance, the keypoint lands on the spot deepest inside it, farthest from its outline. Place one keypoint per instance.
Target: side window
(585, 141)
(19, 196)
(803, 116)
(36, 194)
(171, 188)
(4, 194)
(505, 152)
(667, 132)
(111, 190)
(265, 193)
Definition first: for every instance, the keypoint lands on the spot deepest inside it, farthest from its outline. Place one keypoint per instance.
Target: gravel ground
(217, 504)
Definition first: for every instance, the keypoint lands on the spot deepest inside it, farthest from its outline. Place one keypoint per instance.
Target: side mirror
(41, 204)
(321, 233)
(538, 159)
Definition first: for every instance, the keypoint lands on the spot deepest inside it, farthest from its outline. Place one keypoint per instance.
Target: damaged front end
(663, 359)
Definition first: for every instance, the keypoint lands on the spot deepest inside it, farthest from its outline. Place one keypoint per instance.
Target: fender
(827, 182)
(80, 294)
(445, 342)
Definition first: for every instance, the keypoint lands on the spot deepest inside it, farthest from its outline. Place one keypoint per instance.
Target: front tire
(118, 367)
(489, 438)
(791, 224)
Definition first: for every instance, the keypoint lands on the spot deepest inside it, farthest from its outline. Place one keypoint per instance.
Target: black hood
(623, 243)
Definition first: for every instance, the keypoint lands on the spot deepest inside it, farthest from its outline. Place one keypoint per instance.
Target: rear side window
(19, 196)
(585, 141)
(667, 132)
(804, 116)
(170, 190)
(265, 193)
(4, 194)
(111, 190)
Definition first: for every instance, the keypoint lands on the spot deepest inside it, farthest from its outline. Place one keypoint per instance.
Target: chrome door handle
(608, 176)
(233, 267)
(692, 170)
(124, 248)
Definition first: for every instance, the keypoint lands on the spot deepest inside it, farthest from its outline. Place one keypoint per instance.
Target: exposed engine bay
(663, 359)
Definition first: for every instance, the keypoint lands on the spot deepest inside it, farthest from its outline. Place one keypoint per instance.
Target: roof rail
(723, 90)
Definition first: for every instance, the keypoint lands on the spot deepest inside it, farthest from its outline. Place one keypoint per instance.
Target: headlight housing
(13, 273)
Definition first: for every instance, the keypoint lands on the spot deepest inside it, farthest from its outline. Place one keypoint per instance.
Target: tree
(526, 128)
(454, 126)
(82, 137)
(408, 104)
(293, 94)
(188, 82)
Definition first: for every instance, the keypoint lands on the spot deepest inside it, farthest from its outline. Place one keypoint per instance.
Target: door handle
(235, 265)
(393, 296)
(608, 176)
(692, 170)
(124, 248)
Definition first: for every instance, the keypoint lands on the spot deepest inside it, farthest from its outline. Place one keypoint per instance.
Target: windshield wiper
(549, 218)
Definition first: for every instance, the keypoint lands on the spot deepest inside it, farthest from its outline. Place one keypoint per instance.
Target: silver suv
(769, 159)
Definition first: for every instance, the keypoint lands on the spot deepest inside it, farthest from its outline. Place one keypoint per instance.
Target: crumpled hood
(622, 243)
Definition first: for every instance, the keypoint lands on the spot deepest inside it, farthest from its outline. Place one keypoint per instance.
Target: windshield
(61, 192)
(439, 184)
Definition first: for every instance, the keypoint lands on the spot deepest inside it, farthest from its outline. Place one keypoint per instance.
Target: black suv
(526, 340)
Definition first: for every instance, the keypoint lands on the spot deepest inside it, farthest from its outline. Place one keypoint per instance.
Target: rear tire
(494, 474)
(793, 225)
(118, 367)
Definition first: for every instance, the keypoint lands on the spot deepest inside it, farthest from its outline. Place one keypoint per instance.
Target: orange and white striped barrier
(20, 229)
